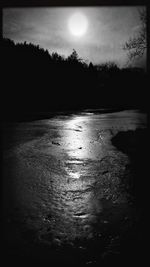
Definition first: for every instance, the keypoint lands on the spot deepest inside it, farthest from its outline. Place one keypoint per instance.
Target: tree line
(34, 79)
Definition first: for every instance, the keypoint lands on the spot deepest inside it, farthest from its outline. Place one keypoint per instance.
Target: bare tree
(136, 46)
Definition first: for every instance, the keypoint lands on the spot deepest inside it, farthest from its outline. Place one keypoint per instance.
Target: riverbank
(27, 116)
(135, 145)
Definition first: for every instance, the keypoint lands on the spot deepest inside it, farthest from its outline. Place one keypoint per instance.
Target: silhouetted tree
(107, 67)
(34, 76)
(91, 65)
(137, 45)
(56, 57)
(74, 57)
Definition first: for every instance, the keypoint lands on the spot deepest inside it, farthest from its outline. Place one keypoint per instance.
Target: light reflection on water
(77, 196)
(79, 139)
(74, 175)
(74, 209)
(61, 177)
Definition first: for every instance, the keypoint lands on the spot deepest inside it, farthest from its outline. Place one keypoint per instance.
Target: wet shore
(74, 196)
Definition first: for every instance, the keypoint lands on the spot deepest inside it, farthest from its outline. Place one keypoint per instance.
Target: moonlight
(78, 24)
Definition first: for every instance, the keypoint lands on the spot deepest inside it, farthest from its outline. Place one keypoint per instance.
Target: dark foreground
(73, 190)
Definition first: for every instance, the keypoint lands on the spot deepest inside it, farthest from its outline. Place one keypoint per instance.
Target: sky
(108, 28)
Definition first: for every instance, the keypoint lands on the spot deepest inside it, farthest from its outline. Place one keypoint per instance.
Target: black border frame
(61, 3)
(25, 3)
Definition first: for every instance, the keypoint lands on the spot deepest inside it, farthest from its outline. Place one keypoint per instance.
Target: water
(65, 186)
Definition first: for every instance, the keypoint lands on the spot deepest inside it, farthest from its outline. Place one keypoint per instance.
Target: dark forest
(34, 79)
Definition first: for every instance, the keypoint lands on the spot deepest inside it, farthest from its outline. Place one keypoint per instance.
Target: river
(65, 194)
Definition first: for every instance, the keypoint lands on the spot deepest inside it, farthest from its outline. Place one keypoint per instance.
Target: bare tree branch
(136, 46)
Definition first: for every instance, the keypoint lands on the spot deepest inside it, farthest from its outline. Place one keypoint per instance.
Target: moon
(78, 24)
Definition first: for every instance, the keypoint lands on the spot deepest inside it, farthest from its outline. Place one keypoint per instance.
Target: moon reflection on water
(67, 182)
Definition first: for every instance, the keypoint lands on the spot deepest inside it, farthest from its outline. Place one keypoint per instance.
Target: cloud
(109, 29)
